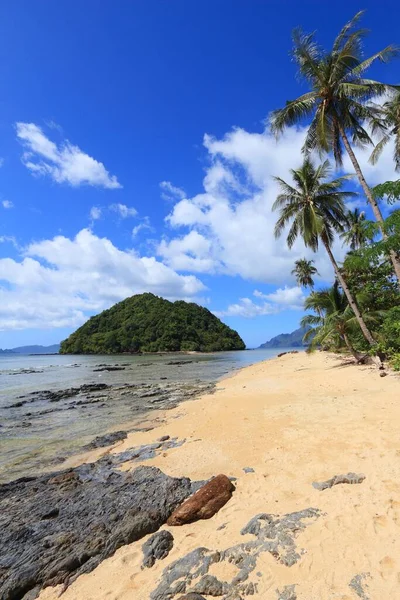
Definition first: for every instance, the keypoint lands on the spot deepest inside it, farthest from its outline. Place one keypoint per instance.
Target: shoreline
(277, 427)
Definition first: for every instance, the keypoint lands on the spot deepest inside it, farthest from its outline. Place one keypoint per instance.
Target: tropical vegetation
(344, 110)
(147, 323)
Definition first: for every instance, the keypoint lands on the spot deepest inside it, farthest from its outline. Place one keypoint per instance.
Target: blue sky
(135, 156)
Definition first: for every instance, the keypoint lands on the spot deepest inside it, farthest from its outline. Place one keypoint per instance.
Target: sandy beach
(294, 420)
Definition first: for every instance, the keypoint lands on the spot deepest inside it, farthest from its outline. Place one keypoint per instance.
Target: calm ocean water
(36, 432)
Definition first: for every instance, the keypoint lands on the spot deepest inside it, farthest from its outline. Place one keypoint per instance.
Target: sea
(35, 433)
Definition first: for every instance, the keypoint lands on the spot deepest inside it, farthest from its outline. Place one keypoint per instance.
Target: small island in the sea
(147, 323)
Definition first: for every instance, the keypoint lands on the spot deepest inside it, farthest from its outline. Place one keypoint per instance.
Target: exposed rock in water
(58, 526)
(272, 534)
(205, 502)
(359, 585)
(350, 478)
(109, 368)
(157, 547)
(179, 363)
(106, 440)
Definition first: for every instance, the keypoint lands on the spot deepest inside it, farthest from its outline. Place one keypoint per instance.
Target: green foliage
(395, 362)
(390, 332)
(390, 190)
(148, 323)
(304, 270)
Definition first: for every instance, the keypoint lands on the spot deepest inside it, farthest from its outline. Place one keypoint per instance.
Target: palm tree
(315, 208)
(333, 322)
(391, 116)
(356, 234)
(338, 101)
(304, 271)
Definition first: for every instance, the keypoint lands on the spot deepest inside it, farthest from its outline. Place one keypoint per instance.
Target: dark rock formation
(109, 368)
(58, 526)
(192, 596)
(106, 440)
(205, 502)
(272, 534)
(350, 478)
(157, 547)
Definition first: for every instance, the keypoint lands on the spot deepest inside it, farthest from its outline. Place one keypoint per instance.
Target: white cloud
(59, 282)
(171, 192)
(232, 215)
(123, 211)
(65, 163)
(287, 298)
(7, 204)
(95, 213)
(144, 225)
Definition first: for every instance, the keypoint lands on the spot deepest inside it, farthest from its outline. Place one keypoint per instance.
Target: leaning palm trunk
(358, 357)
(366, 332)
(376, 210)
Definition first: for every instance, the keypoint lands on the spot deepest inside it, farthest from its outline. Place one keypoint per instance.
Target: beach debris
(359, 586)
(288, 352)
(106, 440)
(157, 547)
(288, 593)
(57, 526)
(350, 478)
(207, 501)
(273, 534)
(248, 470)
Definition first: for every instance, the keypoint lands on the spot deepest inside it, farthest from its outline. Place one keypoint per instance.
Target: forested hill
(148, 323)
(287, 340)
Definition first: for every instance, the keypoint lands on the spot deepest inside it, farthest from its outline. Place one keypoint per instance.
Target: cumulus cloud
(171, 192)
(64, 163)
(230, 224)
(7, 204)
(59, 282)
(145, 224)
(287, 298)
(123, 211)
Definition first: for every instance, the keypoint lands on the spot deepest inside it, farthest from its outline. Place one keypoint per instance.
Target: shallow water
(37, 432)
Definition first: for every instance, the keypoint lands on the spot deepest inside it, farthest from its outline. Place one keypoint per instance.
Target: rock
(383, 374)
(273, 534)
(211, 586)
(109, 369)
(106, 440)
(359, 585)
(350, 478)
(290, 352)
(205, 502)
(164, 438)
(179, 363)
(157, 547)
(288, 593)
(58, 526)
(248, 470)
(192, 596)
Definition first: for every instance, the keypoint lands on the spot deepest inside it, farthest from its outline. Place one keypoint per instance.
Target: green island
(147, 323)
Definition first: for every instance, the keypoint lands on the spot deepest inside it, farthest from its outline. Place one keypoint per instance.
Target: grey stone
(350, 478)
(359, 585)
(106, 440)
(273, 534)
(58, 526)
(157, 547)
(248, 470)
(192, 596)
(287, 593)
(163, 438)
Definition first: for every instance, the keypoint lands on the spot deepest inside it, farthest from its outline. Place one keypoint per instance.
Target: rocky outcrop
(270, 533)
(207, 501)
(157, 547)
(350, 478)
(58, 526)
(106, 440)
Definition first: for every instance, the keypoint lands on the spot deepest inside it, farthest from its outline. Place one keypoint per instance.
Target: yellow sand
(294, 420)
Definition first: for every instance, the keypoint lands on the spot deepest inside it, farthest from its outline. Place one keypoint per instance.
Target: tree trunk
(359, 357)
(374, 205)
(366, 332)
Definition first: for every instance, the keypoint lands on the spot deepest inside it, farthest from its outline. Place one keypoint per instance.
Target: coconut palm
(304, 271)
(339, 101)
(391, 116)
(333, 321)
(314, 207)
(356, 235)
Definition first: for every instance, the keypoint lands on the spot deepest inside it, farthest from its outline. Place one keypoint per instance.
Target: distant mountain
(287, 340)
(147, 323)
(53, 349)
